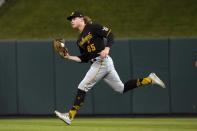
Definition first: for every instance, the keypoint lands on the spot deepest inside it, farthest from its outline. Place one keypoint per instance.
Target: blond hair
(87, 20)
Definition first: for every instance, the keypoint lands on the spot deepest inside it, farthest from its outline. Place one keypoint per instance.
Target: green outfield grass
(100, 124)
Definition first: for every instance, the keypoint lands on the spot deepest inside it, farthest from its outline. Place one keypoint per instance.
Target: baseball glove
(60, 47)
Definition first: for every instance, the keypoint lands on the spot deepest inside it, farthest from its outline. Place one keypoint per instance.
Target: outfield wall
(34, 80)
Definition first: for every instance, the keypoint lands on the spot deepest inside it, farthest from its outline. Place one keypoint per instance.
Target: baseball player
(94, 51)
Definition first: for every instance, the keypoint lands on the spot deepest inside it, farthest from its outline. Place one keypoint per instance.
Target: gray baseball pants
(102, 69)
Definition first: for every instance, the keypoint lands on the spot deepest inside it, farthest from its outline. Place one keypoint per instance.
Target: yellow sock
(146, 81)
(72, 114)
(138, 83)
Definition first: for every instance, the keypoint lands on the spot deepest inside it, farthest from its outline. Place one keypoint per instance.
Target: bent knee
(119, 90)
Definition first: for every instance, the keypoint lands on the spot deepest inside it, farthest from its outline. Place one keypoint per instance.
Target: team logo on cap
(72, 14)
(105, 28)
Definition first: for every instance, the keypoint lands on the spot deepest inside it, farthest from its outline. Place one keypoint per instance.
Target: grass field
(99, 124)
(46, 19)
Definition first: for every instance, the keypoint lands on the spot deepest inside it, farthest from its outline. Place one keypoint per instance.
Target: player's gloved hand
(60, 47)
(104, 53)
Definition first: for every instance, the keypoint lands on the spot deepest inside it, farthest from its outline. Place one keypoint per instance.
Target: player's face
(75, 22)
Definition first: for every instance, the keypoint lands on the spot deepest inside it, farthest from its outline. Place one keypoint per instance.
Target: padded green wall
(35, 77)
(183, 75)
(150, 56)
(8, 81)
(35, 80)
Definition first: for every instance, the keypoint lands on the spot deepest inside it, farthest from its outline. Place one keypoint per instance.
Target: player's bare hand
(67, 56)
(104, 53)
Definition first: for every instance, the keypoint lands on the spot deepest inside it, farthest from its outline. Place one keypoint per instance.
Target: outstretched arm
(74, 58)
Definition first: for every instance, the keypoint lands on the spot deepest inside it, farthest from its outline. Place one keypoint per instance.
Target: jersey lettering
(91, 48)
(85, 39)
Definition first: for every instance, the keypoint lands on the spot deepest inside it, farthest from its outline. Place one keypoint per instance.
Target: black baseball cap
(75, 14)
